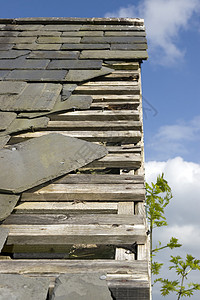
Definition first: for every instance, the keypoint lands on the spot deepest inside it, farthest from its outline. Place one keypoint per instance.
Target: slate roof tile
(54, 54)
(37, 75)
(75, 64)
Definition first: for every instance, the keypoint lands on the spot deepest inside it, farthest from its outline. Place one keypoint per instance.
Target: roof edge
(55, 20)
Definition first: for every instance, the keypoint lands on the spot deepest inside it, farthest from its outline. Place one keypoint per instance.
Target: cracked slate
(3, 73)
(6, 118)
(3, 140)
(74, 101)
(37, 75)
(13, 54)
(3, 236)
(19, 287)
(81, 287)
(34, 97)
(38, 160)
(82, 75)
(7, 204)
(25, 124)
(67, 91)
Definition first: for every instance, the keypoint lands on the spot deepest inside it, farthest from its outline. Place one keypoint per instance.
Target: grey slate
(3, 140)
(54, 54)
(18, 40)
(75, 64)
(114, 40)
(9, 33)
(22, 63)
(113, 27)
(14, 88)
(74, 101)
(12, 54)
(36, 46)
(128, 47)
(62, 27)
(19, 287)
(82, 75)
(6, 118)
(37, 75)
(39, 33)
(6, 46)
(84, 46)
(67, 90)
(35, 97)
(113, 54)
(81, 287)
(3, 236)
(3, 73)
(7, 204)
(25, 124)
(22, 27)
(38, 160)
(83, 33)
(57, 40)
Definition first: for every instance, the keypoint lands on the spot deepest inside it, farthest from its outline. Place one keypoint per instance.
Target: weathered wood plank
(94, 125)
(114, 98)
(86, 219)
(98, 115)
(107, 84)
(117, 161)
(66, 208)
(115, 105)
(108, 89)
(75, 234)
(127, 136)
(83, 192)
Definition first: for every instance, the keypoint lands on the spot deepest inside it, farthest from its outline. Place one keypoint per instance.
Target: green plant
(182, 268)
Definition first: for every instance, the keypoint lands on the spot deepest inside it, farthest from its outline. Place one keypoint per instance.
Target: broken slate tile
(54, 55)
(38, 160)
(6, 118)
(3, 140)
(35, 97)
(12, 54)
(3, 236)
(37, 75)
(3, 74)
(82, 75)
(19, 287)
(81, 286)
(75, 64)
(7, 204)
(74, 101)
(26, 124)
(67, 90)
(7, 87)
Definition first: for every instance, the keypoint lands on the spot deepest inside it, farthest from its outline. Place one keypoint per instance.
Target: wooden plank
(94, 125)
(75, 234)
(121, 75)
(124, 148)
(66, 208)
(130, 136)
(97, 115)
(125, 208)
(83, 192)
(100, 179)
(115, 105)
(114, 98)
(136, 269)
(108, 89)
(86, 219)
(106, 84)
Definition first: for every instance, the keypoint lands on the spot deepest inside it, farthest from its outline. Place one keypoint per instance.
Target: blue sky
(171, 87)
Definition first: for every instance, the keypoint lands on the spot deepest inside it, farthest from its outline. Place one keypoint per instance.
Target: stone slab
(6, 118)
(12, 54)
(113, 27)
(35, 97)
(128, 46)
(7, 204)
(75, 64)
(114, 54)
(17, 40)
(22, 27)
(74, 101)
(3, 236)
(81, 287)
(38, 160)
(23, 64)
(82, 75)
(36, 46)
(19, 287)
(26, 124)
(37, 75)
(54, 54)
(114, 40)
(58, 40)
(3, 140)
(40, 33)
(84, 46)
(62, 27)
(6, 46)
(14, 88)
(83, 33)
(8, 33)
(3, 74)
(67, 91)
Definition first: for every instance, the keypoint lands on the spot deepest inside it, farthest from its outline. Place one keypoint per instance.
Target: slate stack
(72, 175)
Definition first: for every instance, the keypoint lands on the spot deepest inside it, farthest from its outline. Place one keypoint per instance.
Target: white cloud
(176, 139)
(164, 20)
